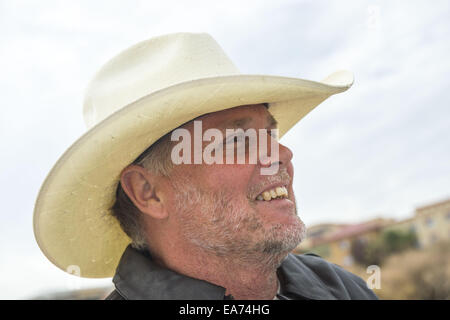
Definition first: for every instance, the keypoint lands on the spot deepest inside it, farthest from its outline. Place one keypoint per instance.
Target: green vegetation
(414, 274)
(376, 251)
(322, 250)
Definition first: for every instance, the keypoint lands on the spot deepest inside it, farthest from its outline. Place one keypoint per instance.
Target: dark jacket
(303, 276)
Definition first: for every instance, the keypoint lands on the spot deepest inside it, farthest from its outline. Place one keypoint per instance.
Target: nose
(285, 154)
(278, 155)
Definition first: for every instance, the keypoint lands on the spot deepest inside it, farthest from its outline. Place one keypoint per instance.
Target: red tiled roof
(349, 231)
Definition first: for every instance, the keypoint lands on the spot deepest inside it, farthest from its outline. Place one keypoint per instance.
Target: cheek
(229, 178)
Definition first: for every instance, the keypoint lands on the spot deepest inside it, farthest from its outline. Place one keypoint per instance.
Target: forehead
(237, 117)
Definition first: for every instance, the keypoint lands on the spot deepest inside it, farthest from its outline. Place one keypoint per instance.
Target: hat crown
(152, 65)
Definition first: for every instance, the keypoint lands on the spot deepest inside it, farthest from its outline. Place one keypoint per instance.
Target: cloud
(379, 149)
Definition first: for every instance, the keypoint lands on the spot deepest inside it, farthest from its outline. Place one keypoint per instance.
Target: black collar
(139, 277)
(300, 281)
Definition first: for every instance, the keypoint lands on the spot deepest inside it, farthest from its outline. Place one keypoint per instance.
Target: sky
(381, 149)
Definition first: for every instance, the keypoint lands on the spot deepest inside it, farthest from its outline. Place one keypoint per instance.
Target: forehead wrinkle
(242, 122)
(237, 123)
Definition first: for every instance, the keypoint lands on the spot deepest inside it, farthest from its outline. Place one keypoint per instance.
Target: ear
(141, 187)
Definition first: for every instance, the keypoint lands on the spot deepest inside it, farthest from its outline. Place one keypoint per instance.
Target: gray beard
(221, 226)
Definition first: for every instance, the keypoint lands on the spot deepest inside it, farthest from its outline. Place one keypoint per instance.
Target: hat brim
(72, 221)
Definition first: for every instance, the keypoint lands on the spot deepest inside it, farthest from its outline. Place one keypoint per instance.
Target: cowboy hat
(137, 97)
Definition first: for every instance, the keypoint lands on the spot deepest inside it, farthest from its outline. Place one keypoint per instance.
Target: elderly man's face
(217, 206)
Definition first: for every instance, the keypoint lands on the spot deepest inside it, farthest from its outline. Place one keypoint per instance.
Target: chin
(284, 237)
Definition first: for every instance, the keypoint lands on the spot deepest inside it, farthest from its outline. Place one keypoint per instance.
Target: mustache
(282, 177)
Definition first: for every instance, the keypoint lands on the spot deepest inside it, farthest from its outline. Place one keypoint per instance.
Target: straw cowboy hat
(138, 96)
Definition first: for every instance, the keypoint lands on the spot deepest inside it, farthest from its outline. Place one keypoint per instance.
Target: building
(319, 231)
(432, 223)
(336, 243)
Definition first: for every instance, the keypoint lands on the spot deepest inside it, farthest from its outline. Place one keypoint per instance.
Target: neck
(243, 277)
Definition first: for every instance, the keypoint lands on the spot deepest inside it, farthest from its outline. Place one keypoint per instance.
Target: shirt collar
(298, 279)
(139, 277)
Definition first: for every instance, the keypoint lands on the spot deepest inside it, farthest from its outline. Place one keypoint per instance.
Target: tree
(377, 250)
(397, 241)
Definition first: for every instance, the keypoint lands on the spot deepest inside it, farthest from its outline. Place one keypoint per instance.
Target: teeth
(266, 195)
(273, 193)
(279, 192)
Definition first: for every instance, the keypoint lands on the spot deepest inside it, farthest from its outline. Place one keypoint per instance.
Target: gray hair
(156, 159)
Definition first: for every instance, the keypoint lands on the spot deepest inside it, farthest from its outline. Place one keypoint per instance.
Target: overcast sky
(378, 150)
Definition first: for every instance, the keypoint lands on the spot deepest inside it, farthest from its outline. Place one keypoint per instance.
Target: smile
(274, 193)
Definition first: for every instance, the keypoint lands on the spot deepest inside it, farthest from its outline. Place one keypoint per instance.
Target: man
(195, 228)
